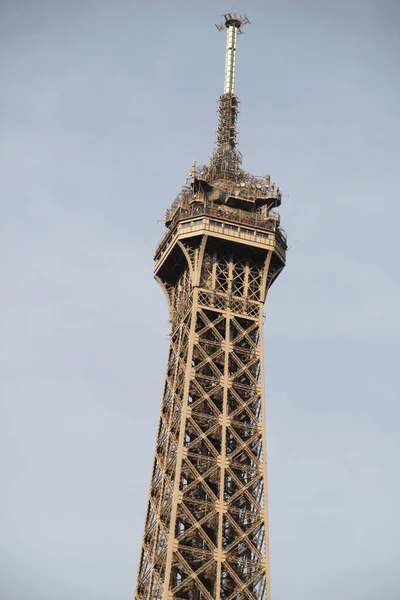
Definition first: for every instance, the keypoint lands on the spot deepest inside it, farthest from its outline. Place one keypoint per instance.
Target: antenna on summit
(233, 24)
(226, 158)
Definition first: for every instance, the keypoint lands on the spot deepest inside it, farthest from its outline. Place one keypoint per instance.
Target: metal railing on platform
(235, 215)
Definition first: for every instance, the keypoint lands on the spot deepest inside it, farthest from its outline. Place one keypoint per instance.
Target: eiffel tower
(206, 528)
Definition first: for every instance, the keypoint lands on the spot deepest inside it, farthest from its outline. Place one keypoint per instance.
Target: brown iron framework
(206, 529)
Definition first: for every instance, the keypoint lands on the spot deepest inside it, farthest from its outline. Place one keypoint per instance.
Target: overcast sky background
(103, 106)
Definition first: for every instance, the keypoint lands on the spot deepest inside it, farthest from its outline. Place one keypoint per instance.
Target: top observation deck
(245, 191)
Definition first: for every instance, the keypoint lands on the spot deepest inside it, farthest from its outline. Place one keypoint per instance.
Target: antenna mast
(226, 158)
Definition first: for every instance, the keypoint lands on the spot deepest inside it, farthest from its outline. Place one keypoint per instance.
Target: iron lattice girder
(206, 534)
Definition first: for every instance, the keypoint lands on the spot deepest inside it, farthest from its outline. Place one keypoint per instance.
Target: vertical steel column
(230, 59)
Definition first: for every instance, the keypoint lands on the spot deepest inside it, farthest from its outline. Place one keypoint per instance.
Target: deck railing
(227, 213)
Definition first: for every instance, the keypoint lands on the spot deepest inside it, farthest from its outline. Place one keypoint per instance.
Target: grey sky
(103, 106)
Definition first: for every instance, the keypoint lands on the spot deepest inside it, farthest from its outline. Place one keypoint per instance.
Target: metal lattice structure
(206, 529)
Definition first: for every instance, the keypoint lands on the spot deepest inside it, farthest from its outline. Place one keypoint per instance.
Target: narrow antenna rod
(226, 158)
(233, 24)
(230, 60)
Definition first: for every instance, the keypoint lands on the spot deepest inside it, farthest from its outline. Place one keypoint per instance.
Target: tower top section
(222, 184)
(233, 25)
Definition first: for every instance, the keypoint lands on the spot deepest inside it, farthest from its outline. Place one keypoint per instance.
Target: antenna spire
(226, 158)
(233, 24)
